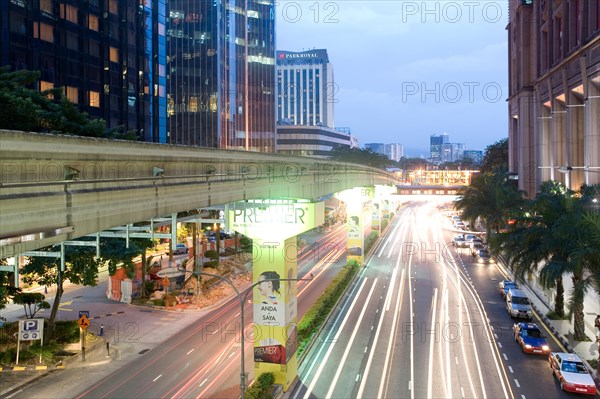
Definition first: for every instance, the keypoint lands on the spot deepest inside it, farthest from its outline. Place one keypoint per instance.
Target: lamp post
(242, 299)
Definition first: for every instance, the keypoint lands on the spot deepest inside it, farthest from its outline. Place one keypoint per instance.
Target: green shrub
(370, 241)
(47, 351)
(261, 389)
(210, 254)
(316, 315)
(66, 331)
(8, 357)
(159, 302)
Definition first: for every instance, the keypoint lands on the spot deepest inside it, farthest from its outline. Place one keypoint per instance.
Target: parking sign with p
(31, 329)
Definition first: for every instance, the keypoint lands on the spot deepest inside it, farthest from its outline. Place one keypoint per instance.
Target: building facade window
(93, 22)
(73, 94)
(114, 54)
(94, 99)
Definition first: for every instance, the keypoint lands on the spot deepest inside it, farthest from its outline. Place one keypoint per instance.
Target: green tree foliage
(495, 158)
(360, 156)
(492, 198)
(32, 302)
(27, 109)
(7, 291)
(81, 267)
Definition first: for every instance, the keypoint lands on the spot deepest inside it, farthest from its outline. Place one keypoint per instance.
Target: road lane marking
(499, 345)
(190, 351)
(456, 360)
(366, 349)
(335, 339)
(511, 369)
(376, 339)
(517, 383)
(350, 342)
(357, 377)
(203, 382)
(462, 391)
(430, 365)
(160, 375)
(505, 357)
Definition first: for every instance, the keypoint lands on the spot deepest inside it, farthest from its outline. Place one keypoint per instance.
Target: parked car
(505, 285)
(460, 242)
(476, 246)
(459, 225)
(518, 305)
(531, 339)
(572, 373)
(181, 249)
(484, 256)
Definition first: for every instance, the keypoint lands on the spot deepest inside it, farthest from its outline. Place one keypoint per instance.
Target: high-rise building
(475, 155)
(376, 148)
(394, 151)
(305, 89)
(105, 54)
(452, 152)
(435, 147)
(554, 92)
(221, 70)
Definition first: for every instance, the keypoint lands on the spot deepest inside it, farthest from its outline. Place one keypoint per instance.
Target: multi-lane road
(420, 321)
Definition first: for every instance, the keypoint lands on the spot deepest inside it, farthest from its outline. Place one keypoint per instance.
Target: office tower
(105, 54)
(305, 89)
(435, 147)
(394, 151)
(221, 74)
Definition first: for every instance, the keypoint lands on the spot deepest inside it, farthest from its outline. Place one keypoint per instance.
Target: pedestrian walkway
(542, 300)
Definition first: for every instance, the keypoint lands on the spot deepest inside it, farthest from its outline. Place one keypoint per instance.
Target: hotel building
(554, 92)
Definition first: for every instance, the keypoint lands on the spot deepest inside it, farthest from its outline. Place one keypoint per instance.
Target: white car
(572, 373)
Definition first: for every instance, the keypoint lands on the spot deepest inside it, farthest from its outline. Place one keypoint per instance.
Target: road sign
(166, 282)
(170, 272)
(31, 329)
(83, 322)
(84, 312)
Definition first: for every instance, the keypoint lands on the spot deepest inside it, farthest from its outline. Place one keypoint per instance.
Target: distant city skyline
(390, 87)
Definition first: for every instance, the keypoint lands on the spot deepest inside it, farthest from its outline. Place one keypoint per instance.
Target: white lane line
(511, 369)
(431, 342)
(376, 340)
(517, 383)
(231, 354)
(462, 391)
(213, 333)
(357, 377)
(203, 382)
(335, 339)
(350, 342)
(190, 351)
(10, 396)
(499, 345)
(366, 349)
(523, 397)
(388, 298)
(160, 375)
(505, 357)
(238, 313)
(456, 360)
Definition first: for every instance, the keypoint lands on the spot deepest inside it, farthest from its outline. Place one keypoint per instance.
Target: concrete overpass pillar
(358, 217)
(273, 226)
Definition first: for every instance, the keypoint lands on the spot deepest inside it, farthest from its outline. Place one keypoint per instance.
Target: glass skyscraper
(220, 61)
(108, 55)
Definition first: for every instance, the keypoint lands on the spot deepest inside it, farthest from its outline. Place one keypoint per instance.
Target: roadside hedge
(262, 387)
(316, 315)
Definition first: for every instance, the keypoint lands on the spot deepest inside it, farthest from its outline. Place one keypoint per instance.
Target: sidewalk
(541, 301)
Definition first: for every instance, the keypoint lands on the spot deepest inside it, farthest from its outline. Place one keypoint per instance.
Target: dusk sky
(405, 70)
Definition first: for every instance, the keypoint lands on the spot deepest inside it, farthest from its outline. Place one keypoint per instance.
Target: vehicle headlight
(545, 348)
(528, 346)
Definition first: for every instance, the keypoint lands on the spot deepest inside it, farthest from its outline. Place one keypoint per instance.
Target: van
(518, 305)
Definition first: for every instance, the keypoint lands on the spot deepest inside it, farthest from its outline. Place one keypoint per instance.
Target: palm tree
(491, 198)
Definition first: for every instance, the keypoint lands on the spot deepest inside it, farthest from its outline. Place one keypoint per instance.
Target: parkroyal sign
(275, 221)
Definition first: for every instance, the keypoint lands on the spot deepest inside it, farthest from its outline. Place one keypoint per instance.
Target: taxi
(531, 339)
(572, 373)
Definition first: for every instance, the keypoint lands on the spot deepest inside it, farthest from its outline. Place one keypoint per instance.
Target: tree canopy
(27, 109)
(361, 156)
(495, 158)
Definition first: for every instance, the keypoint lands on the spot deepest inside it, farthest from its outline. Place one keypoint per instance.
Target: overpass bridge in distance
(55, 188)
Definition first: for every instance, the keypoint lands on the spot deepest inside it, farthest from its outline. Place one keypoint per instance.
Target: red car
(572, 373)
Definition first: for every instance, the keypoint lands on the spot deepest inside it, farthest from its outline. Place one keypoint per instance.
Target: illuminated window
(47, 86)
(73, 94)
(43, 31)
(94, 99)
(193, 104)
(68, 12)
(46, 6)
(114, 54)
(93, 22)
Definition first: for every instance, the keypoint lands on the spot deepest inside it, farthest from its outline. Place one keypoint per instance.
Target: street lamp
(242, 299)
